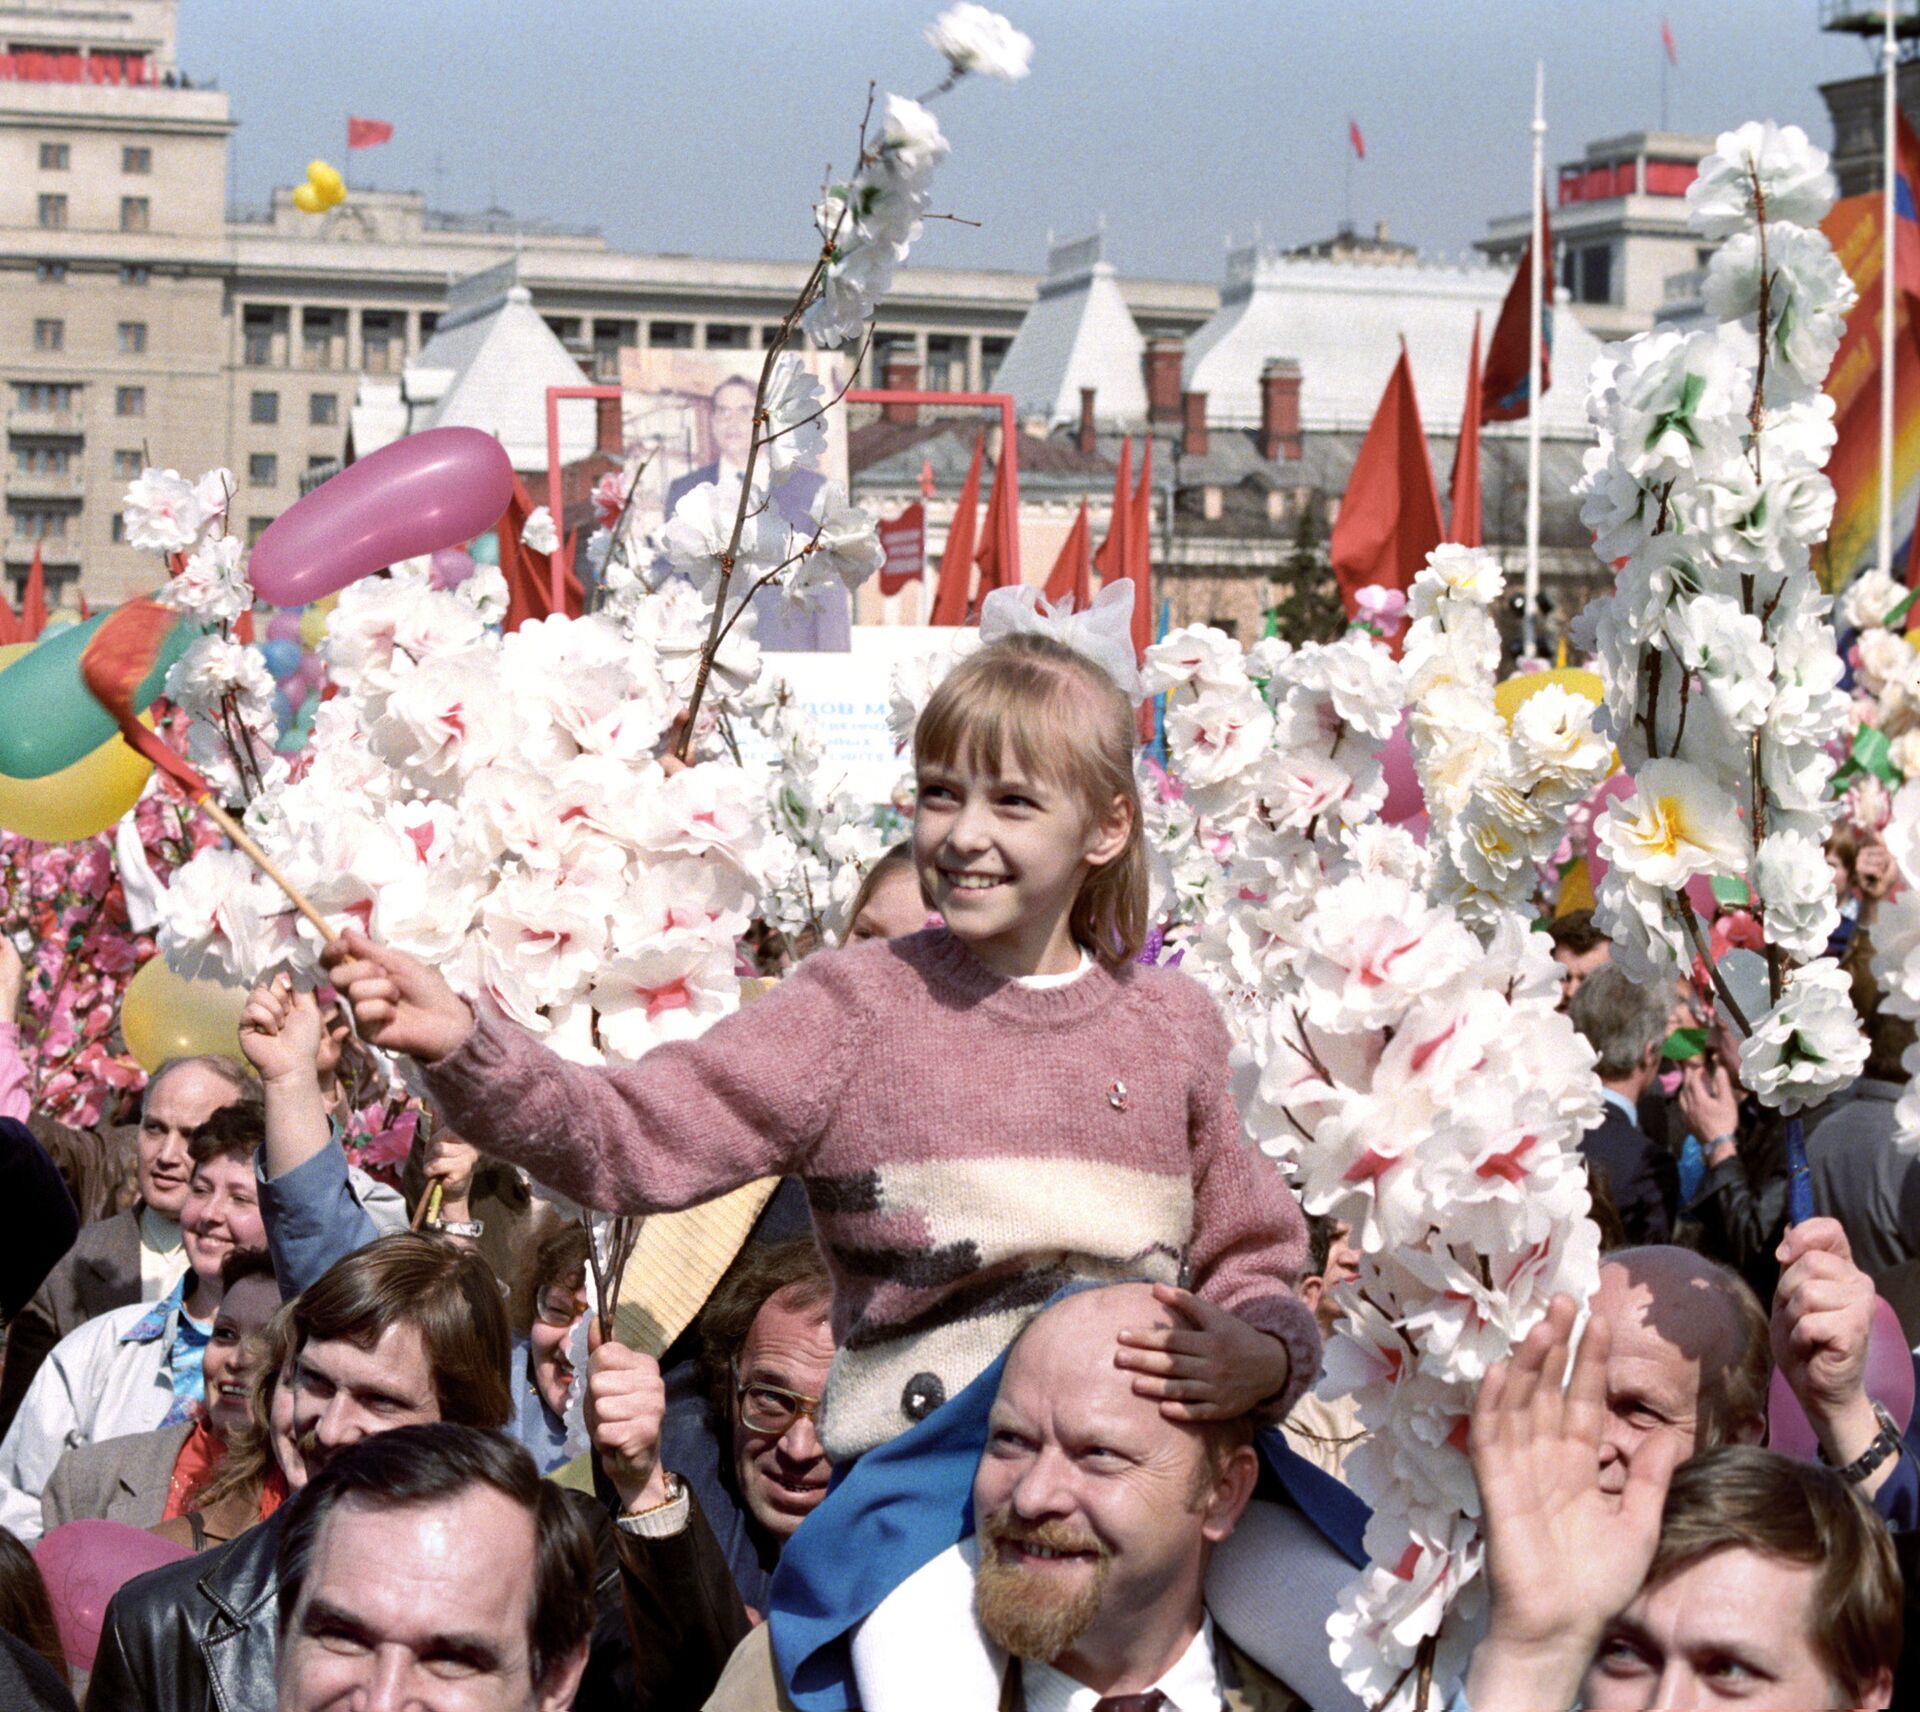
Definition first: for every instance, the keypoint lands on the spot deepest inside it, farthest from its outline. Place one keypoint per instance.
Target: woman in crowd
(145, 1479)
(25, 1611)
(549, 1299)
(140, 1367)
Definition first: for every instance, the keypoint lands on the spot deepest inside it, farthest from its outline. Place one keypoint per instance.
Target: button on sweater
(968, 1145)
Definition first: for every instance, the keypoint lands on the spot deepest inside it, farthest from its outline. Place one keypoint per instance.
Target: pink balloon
(422, 493)
(1610, 790)
(1404, 796)
(1889, 1383)
(451, 567)
(84, 1564)
(283, 627)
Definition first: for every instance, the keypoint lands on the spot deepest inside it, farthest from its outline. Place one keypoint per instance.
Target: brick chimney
(606, 426)
(1161, 361)
(1193, 424)
(900, 373)
(1086, 438)
(1280, 409)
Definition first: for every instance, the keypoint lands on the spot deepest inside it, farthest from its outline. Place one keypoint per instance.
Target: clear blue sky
(704, 125)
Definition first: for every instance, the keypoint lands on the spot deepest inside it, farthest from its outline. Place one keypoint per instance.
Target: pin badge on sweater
(1117, 1096)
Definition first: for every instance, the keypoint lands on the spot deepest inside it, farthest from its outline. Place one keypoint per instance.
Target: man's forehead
(1736, 1600)
(398, 1358)
(430, 1567)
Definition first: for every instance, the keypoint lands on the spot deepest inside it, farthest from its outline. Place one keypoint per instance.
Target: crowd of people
(1003, 1396)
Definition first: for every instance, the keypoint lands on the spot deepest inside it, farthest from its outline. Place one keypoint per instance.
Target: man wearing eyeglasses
(767, 1349)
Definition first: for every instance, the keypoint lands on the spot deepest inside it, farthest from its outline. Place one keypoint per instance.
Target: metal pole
(1889, 51)
(1528, 617)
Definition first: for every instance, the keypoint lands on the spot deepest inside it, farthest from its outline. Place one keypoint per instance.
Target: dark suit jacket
(1642, 1178)
(683, 1612)
(824, 629)
(198, 1635)
(122, 1479)
(41, 1221)
(101, 1271)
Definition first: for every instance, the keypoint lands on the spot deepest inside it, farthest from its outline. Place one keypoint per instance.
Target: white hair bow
(1103, 632)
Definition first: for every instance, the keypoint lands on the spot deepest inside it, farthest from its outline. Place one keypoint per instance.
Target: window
(42, 460)
(670, 335)
(49, 335)
(136, 160)
(37, 523)
(321, 461)
(119, 529)
(135, 214)
(55, 157)
(43, 396)
(380, 344)
(322, 332)
(50, 273)
(1594, 280)
(127, 466)
(725, 336)
(263, 469)
(133, 338)
(53, 212)
(135, 273)
(256, 527)
(323, 409)
(129, 401)
(263, 408)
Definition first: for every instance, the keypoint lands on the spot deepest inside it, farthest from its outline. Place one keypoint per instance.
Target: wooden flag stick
(429, 1208)
(265, 863)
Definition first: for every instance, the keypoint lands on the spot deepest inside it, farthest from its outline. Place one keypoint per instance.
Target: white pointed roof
(1078, 333)
(488, 366)
(1343, 324)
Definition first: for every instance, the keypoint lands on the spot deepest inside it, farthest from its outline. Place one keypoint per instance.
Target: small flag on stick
(366, 133)
(113, 666)
(1359, 142)
(1666, 41)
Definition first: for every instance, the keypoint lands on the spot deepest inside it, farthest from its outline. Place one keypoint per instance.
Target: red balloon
(431, 490)
(84, 1564)
(1889, 1379)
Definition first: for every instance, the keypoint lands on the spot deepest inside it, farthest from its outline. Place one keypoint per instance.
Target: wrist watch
(1886, 1443)
(469, 1228)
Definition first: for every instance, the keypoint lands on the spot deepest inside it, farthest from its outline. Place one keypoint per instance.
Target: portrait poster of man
(690, 415)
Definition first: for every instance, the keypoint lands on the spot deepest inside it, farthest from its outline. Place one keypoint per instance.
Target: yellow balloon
(328, 185)
(307, 199)
(1508, 696)
(79, 800)
(163, 1016)
(313, 627)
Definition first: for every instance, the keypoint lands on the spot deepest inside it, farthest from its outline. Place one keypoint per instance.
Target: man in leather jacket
(408, 1330)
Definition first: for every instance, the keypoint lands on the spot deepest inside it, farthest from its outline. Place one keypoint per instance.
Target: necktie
(1151, 1701)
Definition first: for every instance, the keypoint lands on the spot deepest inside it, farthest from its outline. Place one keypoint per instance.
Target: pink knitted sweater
(968, 1146)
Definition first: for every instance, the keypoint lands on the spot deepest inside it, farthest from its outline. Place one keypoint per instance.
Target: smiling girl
(981, 1111)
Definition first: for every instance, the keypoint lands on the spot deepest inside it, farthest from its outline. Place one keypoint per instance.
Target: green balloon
(48, 717)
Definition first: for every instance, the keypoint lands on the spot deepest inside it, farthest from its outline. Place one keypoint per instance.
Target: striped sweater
(968, 1145)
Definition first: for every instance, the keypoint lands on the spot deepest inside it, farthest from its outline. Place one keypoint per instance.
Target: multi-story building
(1619, 228)
(142, 320)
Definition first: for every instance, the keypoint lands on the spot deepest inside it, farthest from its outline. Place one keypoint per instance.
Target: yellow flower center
(1665, 836)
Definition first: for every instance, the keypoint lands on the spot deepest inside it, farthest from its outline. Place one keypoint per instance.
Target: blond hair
(1061, 719)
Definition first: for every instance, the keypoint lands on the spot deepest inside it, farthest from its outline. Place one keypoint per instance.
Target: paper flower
(1760, 165)
(538, 532)
(796, 426)
(1795, 888)
(1808, 1046)
(977, 40)
(164, 512)
(1678, 823)
(213, 586)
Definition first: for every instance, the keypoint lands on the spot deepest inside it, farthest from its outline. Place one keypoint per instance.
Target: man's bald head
(1690, 1355)
(1097, 1514)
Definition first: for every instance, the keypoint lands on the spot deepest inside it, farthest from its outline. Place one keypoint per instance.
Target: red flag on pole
(1359, 142)
(114, 664)
(366, 133)
(9, 625)
(1140, 569)
(33, 602)
(994, 560)
(1463, 523)
(1389, 518)
(1072, 575)
(926, 478)
(951, 590)
(86, 611)
(1666, 41)
(1505, 395)
(1111, 560)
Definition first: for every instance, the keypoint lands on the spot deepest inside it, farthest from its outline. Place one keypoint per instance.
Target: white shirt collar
(1065, 978)
(1191, 1683)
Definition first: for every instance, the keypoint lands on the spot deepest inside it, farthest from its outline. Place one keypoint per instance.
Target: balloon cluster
(291, 651)
(324, 189)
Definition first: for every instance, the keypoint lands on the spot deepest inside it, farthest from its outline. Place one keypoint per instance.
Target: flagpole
(1532, 586)
(1888, 129)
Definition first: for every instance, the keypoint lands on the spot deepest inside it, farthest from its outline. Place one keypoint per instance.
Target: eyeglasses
(559, 1307)
(771, 1408)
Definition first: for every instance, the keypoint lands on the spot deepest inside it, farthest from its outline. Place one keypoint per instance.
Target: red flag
(1359, 142)
(1389, 518)
(1072, 575)
(904, 540)
(1464, 517)
(926, 478)
(1666, 41)
(115, 663)
(9, 625)
(1111, 560)
(1505, 394)
(365, 133)
(1140, 569)
(33, 602)
(1906, 207)
(956, 559)
(994, 560)
(86, 611)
